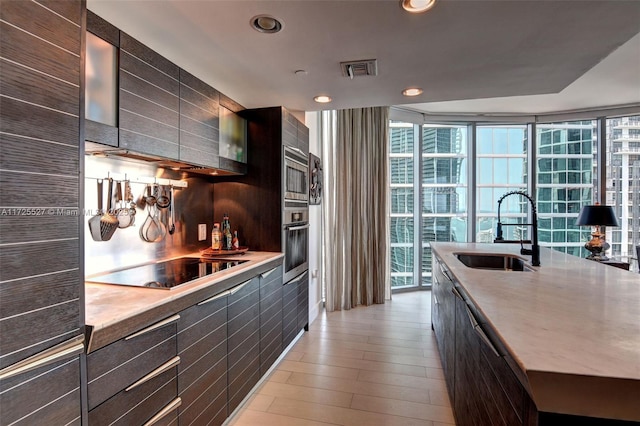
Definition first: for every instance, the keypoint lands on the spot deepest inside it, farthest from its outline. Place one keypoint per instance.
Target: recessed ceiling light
(412, 91)
(266, 24)
(323, 99)
(417, 6)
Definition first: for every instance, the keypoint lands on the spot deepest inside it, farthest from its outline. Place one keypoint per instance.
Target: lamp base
(598, 247)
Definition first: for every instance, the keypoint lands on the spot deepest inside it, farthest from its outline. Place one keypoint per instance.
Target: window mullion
(417, 205)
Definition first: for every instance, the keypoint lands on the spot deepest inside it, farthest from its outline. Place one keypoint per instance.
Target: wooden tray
(217, 253)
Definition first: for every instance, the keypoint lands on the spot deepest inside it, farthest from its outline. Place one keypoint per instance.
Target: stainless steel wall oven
(296, 240)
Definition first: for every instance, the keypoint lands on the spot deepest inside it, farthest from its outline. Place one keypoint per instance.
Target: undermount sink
(501, 262)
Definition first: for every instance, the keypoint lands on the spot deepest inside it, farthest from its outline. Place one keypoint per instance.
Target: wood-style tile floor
(369, 366)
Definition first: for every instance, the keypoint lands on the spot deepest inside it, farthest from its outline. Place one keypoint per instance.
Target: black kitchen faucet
(535, 248)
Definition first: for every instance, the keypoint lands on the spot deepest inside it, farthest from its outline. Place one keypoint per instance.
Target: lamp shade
(597, 216)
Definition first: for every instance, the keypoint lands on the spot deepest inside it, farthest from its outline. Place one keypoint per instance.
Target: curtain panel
(356, 213)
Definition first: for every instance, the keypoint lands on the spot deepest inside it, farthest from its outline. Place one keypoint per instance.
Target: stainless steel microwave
(296, 175)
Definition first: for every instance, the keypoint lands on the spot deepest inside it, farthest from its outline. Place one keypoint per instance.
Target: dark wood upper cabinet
(149, 100)
(199, 122)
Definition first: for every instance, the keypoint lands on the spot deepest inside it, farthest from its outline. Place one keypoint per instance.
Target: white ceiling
(469, 56)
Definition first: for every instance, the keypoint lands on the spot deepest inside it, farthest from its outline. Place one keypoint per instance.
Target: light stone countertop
(113, 305)
(572, 326)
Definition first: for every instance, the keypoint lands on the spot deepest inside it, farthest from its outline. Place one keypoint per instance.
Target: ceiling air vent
(359, 68)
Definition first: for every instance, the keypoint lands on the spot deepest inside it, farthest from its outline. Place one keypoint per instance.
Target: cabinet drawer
(49, 395)
(512, 392)
(114, 367)
(137, 406)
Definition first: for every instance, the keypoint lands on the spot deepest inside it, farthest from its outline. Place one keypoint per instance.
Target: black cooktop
(167, 274)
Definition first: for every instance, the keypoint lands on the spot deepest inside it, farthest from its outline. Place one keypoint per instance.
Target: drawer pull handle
(154, 327)
(238, 287)
(71, 347)
(435, 299)
(446, 274)
(480, 332)
(457, 294)
(158, 371)
(166, 410)
(298, 278)
(216, 297)
(266, 274)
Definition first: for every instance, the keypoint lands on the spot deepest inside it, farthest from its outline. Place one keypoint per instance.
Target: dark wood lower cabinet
(289, 312)
(243, 350)
(302, 297)
(202, 373)
(270, 318)
(197, 366)
(134, 380)
(48, 395)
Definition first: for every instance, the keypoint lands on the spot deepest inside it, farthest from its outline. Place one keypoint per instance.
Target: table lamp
(597, 216)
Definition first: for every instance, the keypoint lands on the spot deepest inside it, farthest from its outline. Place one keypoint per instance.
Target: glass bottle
(216, 237)
(235, 243)
(227, 238)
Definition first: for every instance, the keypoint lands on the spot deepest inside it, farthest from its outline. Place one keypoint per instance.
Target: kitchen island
(568, 330)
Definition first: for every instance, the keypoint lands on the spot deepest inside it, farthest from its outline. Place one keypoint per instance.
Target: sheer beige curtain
(355, 207)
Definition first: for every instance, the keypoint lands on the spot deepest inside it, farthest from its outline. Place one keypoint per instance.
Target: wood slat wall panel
(48, 26)
(34, 155)
(42, 124)
(72, 10)
(19, 333)
(35, 190)
(19, 261)
(40, 285)
(23, 83)
(139, 50)
(27, 396)
(38, 54)
(43, 291)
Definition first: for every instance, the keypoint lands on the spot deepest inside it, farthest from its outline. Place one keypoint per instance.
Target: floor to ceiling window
(557, 164)
(402, 141)
(566, 179)
(428, 187)
(501, 167)
(443, 213)
(623, 185)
